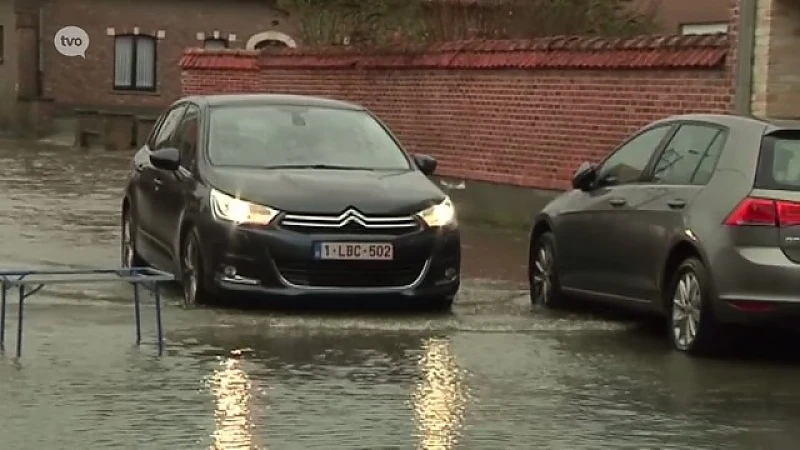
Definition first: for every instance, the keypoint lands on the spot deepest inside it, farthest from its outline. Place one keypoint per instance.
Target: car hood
(325, 191)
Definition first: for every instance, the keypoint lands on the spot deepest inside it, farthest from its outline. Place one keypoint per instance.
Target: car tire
(545, 287)
(129, 256)
(193, 279)
(441, 304)
(693, 326)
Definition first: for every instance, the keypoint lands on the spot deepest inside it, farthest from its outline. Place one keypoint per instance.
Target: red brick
(88, 83)
(497, 114)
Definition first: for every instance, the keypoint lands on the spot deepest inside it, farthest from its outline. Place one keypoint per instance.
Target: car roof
(783, 124)
(734, 121)
(272, 99)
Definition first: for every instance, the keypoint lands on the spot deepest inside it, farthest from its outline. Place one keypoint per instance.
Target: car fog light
(450, 273)
(230, 271)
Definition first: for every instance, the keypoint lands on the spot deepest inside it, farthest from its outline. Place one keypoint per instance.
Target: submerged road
(495, 374)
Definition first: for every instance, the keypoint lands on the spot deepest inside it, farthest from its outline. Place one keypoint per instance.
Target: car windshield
(275, 136)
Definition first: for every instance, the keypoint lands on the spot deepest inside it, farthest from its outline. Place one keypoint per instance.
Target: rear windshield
(271, 136)
(779, 164)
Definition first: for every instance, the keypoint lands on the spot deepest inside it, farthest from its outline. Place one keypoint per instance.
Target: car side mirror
(426, 164)
(607, 180)
(166, 158)
(584, 176)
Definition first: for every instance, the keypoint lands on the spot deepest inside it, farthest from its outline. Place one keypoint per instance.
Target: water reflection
(232, 390)
(440, 397)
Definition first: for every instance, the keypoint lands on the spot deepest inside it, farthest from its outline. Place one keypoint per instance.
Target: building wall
(78, 82)
(526, 116)
(776, 60)
(761, 46)
(8, 64)
(674, 13)
(671, 14)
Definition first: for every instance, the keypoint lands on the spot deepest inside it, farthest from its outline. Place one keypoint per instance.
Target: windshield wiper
(316, 166)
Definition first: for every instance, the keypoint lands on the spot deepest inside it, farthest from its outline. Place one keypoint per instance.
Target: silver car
(694, 217)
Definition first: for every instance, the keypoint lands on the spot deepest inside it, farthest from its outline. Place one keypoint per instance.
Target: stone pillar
(776, 60)
(28, 54)
(34, 113)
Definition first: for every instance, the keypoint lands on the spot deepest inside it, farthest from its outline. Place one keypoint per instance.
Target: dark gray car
(695, 217)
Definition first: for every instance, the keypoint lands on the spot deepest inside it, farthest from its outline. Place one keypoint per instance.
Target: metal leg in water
(159, 329)
(19, 319)
(138, 313)
(3, 290)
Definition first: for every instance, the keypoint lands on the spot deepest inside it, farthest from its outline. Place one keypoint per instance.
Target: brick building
(8, 63)
(770, 39)
(132, 59)
(35, 79)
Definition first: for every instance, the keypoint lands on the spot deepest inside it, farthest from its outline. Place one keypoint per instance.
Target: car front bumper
(277, 262)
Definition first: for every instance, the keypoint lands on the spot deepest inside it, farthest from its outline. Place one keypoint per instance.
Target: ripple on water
(495, 374)
(63, 204)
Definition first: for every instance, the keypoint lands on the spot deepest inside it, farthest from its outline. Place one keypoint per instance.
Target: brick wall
(88, 82)
(8, 64)
(776, 62)
(520, 113)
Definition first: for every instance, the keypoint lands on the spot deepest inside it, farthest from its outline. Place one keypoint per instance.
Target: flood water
(495, 374)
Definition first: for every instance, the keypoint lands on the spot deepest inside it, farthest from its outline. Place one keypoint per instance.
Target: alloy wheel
(542, 276)
(190, 268)
(687, 303)
(127, 245)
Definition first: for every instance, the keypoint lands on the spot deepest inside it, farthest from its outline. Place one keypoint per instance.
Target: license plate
(355, 251)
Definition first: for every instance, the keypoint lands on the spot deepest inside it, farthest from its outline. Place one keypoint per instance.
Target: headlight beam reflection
(232, 391)
(440, 397)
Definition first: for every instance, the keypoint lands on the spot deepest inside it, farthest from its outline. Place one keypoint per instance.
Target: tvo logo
(72, 41)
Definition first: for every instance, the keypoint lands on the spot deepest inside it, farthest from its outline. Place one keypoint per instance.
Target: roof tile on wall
(561, 52)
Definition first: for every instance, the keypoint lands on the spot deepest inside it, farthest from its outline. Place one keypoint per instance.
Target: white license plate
(355, 251)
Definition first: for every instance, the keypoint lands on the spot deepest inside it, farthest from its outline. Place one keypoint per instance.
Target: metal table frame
(36, 280)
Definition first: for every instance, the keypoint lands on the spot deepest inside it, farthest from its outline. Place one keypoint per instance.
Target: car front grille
(350, 222)
(350, 274)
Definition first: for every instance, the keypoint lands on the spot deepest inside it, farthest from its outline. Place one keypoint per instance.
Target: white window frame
(704, 28)
(221, 41)
(270, 36)
(134, 84)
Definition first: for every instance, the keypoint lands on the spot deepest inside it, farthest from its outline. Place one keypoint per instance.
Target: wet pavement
(492, 375)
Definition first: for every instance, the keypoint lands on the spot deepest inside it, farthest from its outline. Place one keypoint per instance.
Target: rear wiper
(316, 166)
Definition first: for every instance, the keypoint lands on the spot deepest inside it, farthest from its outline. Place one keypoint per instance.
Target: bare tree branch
(384, 22)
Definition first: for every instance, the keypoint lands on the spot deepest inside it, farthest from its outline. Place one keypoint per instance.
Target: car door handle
(676, 204)
(617, 202)
(157, 182)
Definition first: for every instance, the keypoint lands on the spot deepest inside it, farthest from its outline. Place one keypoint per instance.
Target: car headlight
(439, 215)
(225, 207)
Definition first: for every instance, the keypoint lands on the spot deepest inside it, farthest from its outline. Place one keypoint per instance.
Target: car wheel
(441, 304)
(128, 254)
(693, 326)
(545, 288)
(192, 273)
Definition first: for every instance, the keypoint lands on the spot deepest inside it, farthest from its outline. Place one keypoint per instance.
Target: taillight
(788, 213)
(754, 211)
(764, 212)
